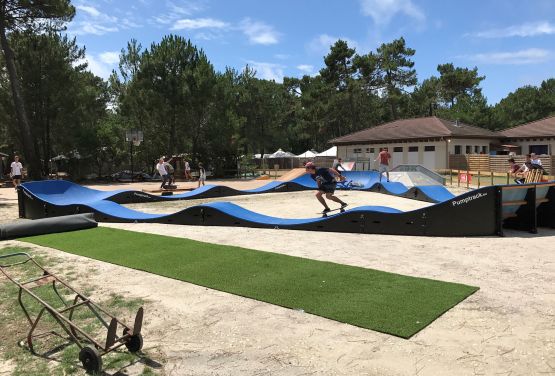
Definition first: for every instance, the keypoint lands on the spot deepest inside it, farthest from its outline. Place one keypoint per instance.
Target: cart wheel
(135, 342)
(92, 362)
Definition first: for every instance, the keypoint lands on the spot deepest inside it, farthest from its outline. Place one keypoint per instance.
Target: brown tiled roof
(540, 128)
(418, 128)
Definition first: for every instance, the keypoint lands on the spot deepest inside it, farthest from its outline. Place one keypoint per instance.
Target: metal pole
(131, 153)
(467, 179)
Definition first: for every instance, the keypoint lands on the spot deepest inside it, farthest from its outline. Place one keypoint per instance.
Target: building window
(468, 149)
(371, 151)
(368, 150)
(431, 148)
(398, 149)
(476, 149)
(539, 149)
(484, 149)
(458, 149)
(413, 148)
(357, 151)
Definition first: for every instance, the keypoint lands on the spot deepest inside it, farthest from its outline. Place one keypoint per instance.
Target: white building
(426, 141)
(534, 137)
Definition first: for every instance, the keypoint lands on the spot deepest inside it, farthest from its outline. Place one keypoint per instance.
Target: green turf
(385, 302)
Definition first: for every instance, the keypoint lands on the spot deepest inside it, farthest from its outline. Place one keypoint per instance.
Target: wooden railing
(494, 163)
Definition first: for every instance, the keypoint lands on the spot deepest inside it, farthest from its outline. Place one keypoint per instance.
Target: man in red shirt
(384, 157)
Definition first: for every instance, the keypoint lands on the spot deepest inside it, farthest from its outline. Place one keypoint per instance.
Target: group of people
(166, 171)
(384, 159)
(519, 172)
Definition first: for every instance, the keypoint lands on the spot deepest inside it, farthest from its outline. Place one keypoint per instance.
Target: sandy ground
(506, 328)
(288, 204)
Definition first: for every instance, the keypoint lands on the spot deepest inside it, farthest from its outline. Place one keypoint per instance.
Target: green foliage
(61, 96)
(172, 93)
(458, 83)
(386, 302)
(34, 17)
(526, 104)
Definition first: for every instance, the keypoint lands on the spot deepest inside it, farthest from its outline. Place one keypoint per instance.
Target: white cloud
(528, 56)
(86, 27)
(96, 66)
(382, 11)
(306, 68)
(259, 32)
(91, 20)
(199, 23)
(185, 7)
(109, 57)
(282, 56)
(92, 11)
(525, 30)
(267, 71)
(177, 10)
(322, 43)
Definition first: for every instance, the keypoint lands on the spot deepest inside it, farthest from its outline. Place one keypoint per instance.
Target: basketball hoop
(134, 136)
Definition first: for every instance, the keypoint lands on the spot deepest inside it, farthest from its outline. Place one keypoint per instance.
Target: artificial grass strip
(385, 302)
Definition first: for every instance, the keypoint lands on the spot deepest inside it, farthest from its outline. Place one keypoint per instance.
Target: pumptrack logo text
(466, 200)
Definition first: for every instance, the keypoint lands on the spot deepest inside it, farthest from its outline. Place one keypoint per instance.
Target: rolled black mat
(47, 226)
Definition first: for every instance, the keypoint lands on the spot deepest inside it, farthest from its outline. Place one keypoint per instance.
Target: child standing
(201, 174)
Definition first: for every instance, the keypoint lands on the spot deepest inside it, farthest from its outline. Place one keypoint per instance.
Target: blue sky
(512, 42)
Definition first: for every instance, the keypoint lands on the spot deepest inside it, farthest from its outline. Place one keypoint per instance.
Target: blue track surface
(62, 192)
(479, 212)
(454, 217)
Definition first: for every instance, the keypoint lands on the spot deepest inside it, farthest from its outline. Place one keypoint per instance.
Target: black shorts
(328, 187)
(16, 177)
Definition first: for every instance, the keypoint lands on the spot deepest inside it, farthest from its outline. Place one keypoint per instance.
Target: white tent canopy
(282, 154)
(266, 155)
(308, 154)
(331, 152)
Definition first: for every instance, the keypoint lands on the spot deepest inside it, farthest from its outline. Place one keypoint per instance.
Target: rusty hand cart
(91, 351)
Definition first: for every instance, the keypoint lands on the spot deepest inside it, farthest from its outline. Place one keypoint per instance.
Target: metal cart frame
(91, 351)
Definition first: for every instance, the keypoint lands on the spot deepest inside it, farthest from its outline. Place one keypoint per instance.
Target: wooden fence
(494, 163)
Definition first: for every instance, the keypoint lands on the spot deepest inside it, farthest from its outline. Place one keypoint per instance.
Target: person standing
(16, 172)
(514, 167)
(161, 168)
(535, 160)
(1, 168)
(169, 171)
(325, 178)
(337, 164)
(188, 171)
(385, 158)
(201, 174)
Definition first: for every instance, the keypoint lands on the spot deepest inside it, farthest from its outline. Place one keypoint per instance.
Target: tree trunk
(31, 156)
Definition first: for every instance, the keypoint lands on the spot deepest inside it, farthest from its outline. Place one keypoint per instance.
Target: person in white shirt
(161, 168)
(16, 172)
(535, 159)
(188, 171)
(201, 174)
